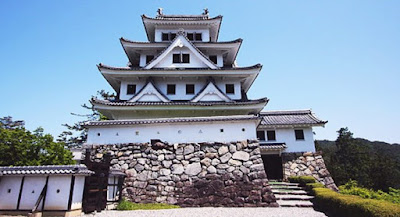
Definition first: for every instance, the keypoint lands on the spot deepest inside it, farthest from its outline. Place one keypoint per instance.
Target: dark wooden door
(273, 166)
(95, 191)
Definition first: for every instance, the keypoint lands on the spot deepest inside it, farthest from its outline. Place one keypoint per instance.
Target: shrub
(310, 186)
(337, 204)
(352, 188)
(127, 205)
(302, 180)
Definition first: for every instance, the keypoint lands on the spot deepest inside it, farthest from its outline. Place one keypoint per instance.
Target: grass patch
(352, 188)
(127, 205)
(302, 180)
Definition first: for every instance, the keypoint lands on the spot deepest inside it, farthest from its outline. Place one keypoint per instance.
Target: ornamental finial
(205, 11)
(160, 11)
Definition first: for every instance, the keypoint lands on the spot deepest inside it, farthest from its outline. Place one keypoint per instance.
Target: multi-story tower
(184, 86)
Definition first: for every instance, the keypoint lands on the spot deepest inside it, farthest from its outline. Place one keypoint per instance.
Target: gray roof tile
(296, 117)
(45, 170)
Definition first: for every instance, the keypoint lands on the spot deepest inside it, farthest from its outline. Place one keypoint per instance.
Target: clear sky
(339, 58)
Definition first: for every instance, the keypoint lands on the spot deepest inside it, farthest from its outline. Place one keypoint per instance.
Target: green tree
(20, 147)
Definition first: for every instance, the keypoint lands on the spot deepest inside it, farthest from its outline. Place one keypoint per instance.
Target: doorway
(273, 166)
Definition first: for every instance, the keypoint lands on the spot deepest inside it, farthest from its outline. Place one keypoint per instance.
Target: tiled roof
(272, 146)
(171, 120)
(177, 103)
(100, 66)
(182, 17)
(45, 170)
(194, 42)
(296, 117)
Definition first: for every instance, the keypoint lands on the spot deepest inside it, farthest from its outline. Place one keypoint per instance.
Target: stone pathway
(290, 195)
(216, 212)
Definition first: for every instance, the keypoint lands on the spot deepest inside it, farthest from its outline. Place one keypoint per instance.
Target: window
(149, 58)
(261, 135)
(198, 37)
(189, 88)
(171, 89)
(213, 59)
(180, 58)
(168, 36)
(131, 89)
(299, 134)
(271, 135)
(230, 88)
(190, 36)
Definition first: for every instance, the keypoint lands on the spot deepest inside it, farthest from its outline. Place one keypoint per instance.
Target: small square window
(189, 88)
(131, 89)
(261, 135)
(213, 59)
(176, 58)
(165, 37)
(172, 36)
(299, 134)
(271, 135)
(190, 36)
(185, 58)
(198, 37)
(230, 89)
(171, 89)
(149, 58)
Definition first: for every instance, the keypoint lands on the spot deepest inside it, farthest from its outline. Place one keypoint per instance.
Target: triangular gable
(149, 93)
(181, 41)
(211, 93)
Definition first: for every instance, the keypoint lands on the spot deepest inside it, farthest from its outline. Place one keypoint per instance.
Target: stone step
(293, 192)
(286, 187)
(293, 197)
(294, 203)
(283, 184)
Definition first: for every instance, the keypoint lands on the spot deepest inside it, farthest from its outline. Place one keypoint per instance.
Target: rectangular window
(261, 135)
(149, 58)
(185, 58)
(180, 58)
(172, 36)
(213, 58)
(230, 89)
(198, 37)
(171, 89)
(299, 134)
(165, 37)
(189, 89)
(190, 36)
(271, 135)
(131, 89)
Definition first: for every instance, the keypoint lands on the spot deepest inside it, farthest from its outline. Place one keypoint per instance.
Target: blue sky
(339, 58)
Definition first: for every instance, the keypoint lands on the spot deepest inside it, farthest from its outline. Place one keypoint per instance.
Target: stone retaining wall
(307, 164)
(204, 174)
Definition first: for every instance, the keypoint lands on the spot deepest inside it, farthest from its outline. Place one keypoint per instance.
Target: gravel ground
(216, 212)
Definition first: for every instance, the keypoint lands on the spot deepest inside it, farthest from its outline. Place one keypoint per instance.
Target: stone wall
(204, 174)
(307, 164)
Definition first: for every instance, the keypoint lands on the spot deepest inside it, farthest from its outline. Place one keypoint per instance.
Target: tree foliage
(20, 147)
(373, 165)
(75, 134)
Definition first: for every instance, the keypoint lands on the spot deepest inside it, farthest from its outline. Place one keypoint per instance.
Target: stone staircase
(290, 194)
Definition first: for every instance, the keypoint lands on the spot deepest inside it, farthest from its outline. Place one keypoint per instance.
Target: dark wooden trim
(20, 191)
(71, 192)
(44, 198)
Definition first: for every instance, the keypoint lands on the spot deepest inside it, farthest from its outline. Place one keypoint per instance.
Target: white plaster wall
(205, 33)
(9, 200)
(180, 91)
(77, 197)
(194, 61)
(174, 133)
(33, 184)
(287, 136)
(54, 200)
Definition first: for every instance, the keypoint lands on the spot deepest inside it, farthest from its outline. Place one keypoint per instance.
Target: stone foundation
(307, 164)
(189, 175)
